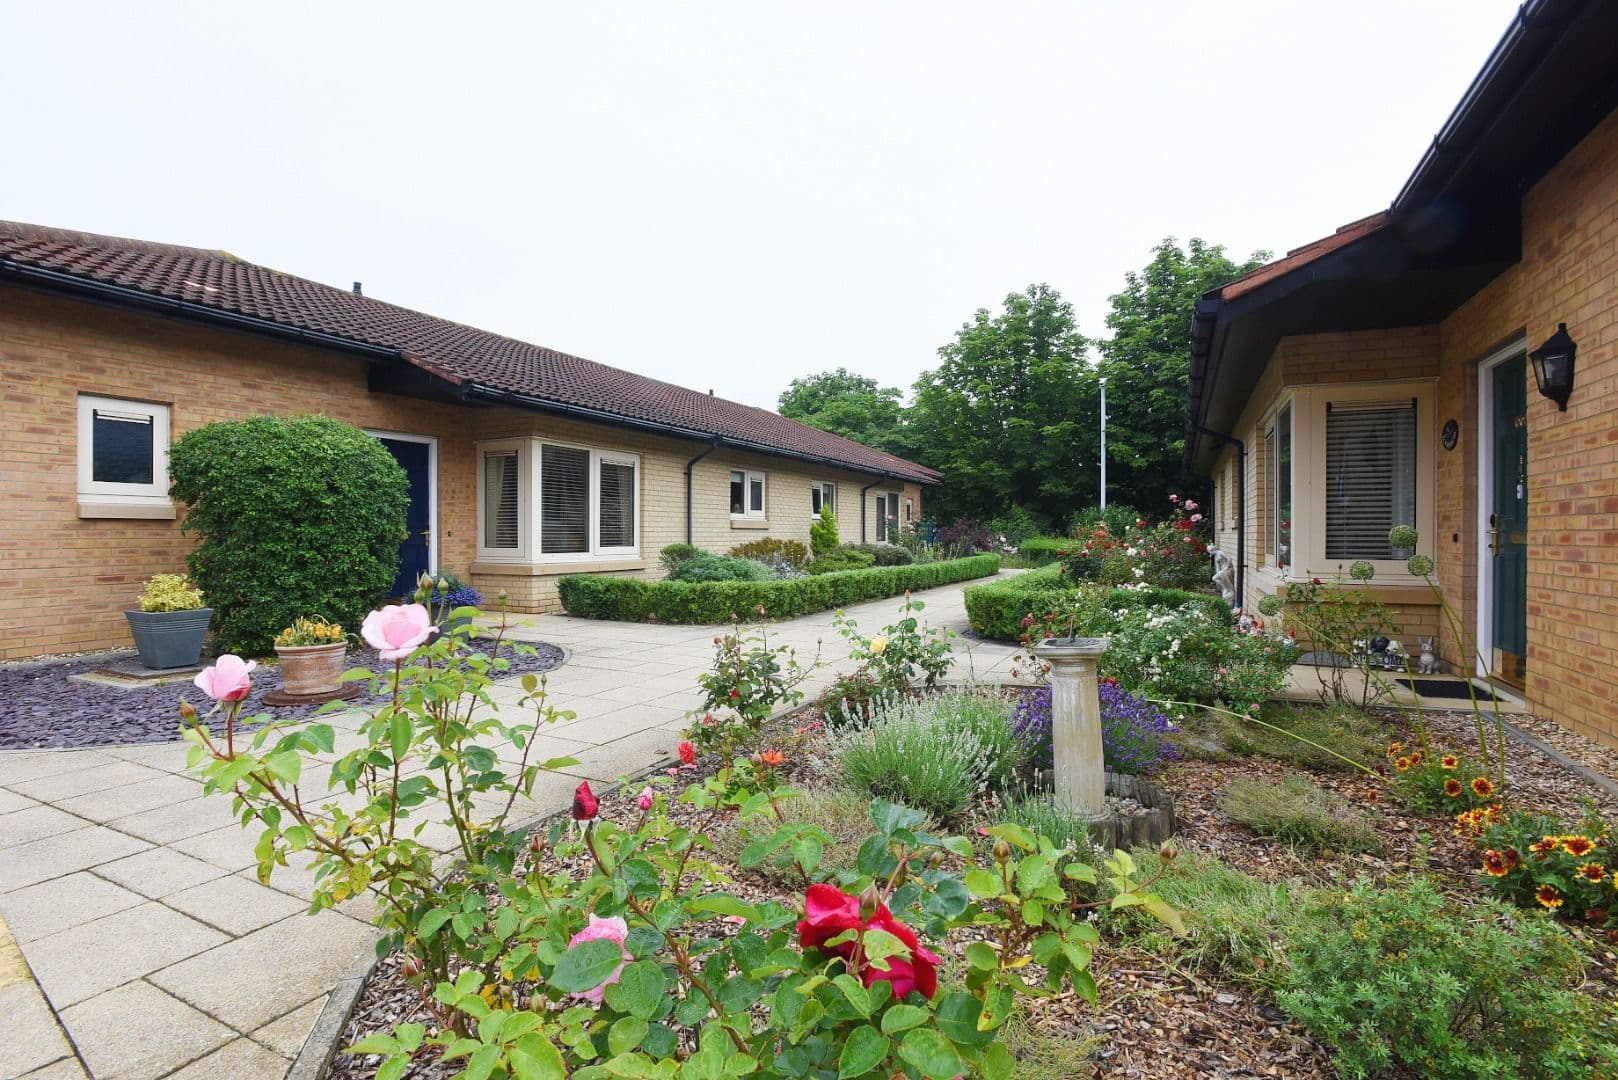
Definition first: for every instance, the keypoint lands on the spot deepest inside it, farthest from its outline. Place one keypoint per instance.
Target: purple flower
(1133, 729)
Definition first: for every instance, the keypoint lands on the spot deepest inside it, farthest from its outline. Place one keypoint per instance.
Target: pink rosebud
(228, 679)
(1174, 498)
(395, 631)
(1196, 517)
(673, 771)
(613, 929)
(645, 800)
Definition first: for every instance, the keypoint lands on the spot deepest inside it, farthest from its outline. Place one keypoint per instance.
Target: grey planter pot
(169, 639)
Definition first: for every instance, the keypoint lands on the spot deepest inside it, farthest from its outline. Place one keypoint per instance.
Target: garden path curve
(154, 951)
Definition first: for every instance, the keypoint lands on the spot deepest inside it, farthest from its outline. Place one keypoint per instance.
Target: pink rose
(1174, 498)
(395, 631)
(645, 800)
(229, 679)
(613, 929)
(1196, 517)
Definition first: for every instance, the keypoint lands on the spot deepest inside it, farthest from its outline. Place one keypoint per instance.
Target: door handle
(427, 537)
(1494, 535)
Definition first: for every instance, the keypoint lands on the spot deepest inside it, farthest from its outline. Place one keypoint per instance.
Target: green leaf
(981, 955)
(890, 818)
(533, 1057)
(903, 1018)
(984, 883)
(432, 921)
(855, 993)
(626, 1034)
(586, 965)
(724, 904)
(393, 1068)
(1165, 914)
(399, 732)
(957, 1016)
(930, 1052)
(480, 1066)
(374, 1044)
(638, 991)
(1085, 984)
(998, 1064)
(863, 1050)
(285, 765)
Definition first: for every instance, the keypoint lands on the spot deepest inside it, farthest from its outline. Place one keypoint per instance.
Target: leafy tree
(845, 404)
(1147, 362)
(1008, 417)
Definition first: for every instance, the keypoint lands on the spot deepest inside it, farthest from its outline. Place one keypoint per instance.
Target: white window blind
(1370, 476)
(564, 501)
(617, 504)
(500, 499)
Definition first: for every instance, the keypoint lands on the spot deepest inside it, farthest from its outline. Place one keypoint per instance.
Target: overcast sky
(725, 195)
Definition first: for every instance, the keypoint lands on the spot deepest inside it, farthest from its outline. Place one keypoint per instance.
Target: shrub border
(710, 603)
(995, 611)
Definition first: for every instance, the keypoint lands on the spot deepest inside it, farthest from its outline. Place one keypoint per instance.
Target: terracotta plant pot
(312, 669)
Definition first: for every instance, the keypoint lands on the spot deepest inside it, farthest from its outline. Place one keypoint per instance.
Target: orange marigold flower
(1394, 749)
(1453, 788)
(1494, 864)
(1543, 846)
(1481, 787)
(1592, 871)
(772, 758)
(1548, 897)
(1577, 846)
(1402, 764)
(1449, 761)
(1415, 757)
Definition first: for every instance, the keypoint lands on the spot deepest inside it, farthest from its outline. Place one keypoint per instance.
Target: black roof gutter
(139, 300)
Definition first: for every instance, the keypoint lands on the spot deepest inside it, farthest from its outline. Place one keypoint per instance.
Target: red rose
(688, 753)
(828, 912)
(585, 805)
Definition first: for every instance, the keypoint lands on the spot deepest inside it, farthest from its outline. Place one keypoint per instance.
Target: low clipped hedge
(597, 596)
(997, 610)
(1044, 550)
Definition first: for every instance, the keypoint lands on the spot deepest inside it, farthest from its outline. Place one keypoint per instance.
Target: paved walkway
(133, 899)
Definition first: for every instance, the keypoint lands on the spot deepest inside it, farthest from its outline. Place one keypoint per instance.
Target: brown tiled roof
(462, 355)
(1302, 256)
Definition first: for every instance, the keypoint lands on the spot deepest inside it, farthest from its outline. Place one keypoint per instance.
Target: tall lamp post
(1103, 443)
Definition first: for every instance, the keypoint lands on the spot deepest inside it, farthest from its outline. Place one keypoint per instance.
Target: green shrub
(997, 610)
(769, 549)
(884, 554)
(1041, 814)
(675, 554)
(171, 592)
(1399, 976)
(1037, 551)
(295, 515)
(835, 562)
(823, 533)
(1018, 524)
(1299, 812)
(706, 567)
(933, 753)
(1116, 517)
(598, 596)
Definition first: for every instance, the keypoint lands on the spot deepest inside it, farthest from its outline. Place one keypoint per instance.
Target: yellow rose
(878, 644)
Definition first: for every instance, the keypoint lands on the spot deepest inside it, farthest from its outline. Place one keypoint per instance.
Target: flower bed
(597, 596)
(997, 611)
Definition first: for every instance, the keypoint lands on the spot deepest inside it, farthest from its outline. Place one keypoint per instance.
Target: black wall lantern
(1553, 367)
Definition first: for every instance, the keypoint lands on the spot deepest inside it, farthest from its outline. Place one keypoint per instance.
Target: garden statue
(1428, 664)
(1224, 577)
(1081, 775)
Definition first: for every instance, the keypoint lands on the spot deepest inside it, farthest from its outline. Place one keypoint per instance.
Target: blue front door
(415, 550)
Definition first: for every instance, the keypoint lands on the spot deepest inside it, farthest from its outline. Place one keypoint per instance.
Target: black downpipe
(1241, 508)
(863, 490)
(688, 467)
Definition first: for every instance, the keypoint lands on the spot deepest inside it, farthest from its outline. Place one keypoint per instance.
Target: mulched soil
(42, 707)
(1156, 1020)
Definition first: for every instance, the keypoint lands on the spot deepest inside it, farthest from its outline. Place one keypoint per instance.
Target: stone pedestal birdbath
(1082, 783)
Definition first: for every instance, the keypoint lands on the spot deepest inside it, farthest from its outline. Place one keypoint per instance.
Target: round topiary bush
(296, 515)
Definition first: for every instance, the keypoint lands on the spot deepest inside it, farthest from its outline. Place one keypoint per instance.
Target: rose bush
(1172, 553)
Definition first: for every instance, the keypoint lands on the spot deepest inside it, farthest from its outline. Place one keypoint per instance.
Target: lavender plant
(1134, 731)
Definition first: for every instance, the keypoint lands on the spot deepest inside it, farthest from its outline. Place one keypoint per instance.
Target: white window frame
(827, 492)
(105, 499)
(612, 457)
(910, 511)
(1271, 524)
(748, 477)
(594, 551)
(527, 511)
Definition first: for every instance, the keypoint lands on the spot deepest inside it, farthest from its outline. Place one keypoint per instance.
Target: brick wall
(67, 579)
(1568, 273)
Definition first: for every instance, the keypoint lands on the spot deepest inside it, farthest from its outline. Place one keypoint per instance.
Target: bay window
(1370, 477)
(551, 502)
(1278, 489)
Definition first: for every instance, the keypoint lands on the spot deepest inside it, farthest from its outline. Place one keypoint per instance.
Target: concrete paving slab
(33, 1040)
(35, 823)
(66, 1069)
(115, 802)
(11, 802)
(304, 952)
(176, 821)
(240, 1059)
(52, 906)
(286, 1034)
(159, 872)
(21, 766)
(234, 904)
(229, 846)
(63, 854)
(78, 963)
(65, 785)
(137, 1032)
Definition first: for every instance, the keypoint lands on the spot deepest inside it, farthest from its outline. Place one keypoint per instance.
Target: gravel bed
(41, 706)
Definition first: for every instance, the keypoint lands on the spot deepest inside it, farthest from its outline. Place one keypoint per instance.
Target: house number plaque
(1451, 434)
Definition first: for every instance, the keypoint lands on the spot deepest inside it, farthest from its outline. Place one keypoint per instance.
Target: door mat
(1446, 689)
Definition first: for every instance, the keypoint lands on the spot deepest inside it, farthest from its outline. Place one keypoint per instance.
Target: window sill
(557, 569)
(749, 523)
(101, 506)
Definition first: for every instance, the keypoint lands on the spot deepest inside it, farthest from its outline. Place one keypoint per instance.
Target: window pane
(815, 497)
(1370, 478)
(500, 499)
(738, 493)
(829, 496)
(1269, 493)
(121, 448)
(881, 518)
(755, 486)
(1283, 488)
(617, 504)
(564, 501)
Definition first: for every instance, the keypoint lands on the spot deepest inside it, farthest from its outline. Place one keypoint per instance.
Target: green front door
(1508, 521)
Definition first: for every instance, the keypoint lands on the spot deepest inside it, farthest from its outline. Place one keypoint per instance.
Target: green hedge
(597, 596)
(996, 611)
(1043, 550)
